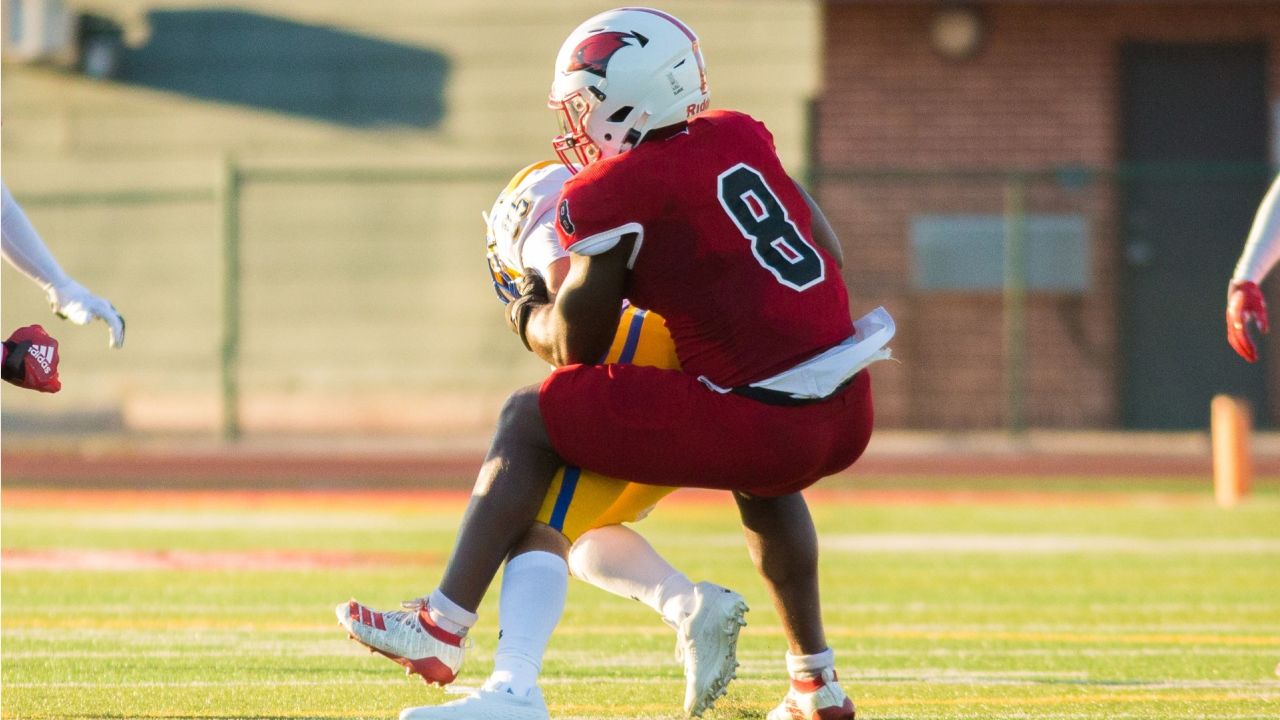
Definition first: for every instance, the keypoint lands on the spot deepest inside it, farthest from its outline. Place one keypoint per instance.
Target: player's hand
(531, 291)
(1244, 306)
(73, 302)
(31, 360)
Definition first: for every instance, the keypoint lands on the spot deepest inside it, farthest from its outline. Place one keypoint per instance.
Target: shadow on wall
(274, 64)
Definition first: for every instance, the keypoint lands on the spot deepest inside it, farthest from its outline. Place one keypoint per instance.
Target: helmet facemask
(576, 145)
(573, 145)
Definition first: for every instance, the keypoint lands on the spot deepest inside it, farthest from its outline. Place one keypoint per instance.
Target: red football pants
(663, 427)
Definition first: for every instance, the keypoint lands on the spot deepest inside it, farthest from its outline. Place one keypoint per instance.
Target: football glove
(1245, 305)
(531, 291)
(71, 301)
(31, 360)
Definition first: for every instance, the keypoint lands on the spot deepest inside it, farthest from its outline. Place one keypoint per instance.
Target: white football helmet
(619, 75)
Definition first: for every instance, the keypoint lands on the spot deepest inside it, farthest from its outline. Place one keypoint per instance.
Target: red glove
(1245, 305)
(31, 360)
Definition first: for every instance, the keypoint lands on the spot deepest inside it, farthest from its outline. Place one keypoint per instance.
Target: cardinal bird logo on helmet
(594, 53)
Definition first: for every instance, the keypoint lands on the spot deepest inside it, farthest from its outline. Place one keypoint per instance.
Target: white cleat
(819, 699)
(407, 637)
(484, 705)
(707, 643)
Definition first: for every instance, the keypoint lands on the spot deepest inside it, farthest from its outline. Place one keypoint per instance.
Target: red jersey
(725, 251)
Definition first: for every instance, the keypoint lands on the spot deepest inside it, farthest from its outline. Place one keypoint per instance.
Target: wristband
(14, 368)
(518, 313)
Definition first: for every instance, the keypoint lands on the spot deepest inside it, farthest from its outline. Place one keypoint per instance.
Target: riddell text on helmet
(695, 108)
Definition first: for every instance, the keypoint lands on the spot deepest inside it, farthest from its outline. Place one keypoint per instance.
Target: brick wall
(1043, 92)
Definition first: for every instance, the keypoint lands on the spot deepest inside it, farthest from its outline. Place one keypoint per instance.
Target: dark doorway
(1195, 151)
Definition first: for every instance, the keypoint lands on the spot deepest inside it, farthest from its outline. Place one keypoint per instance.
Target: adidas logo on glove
(43, 355)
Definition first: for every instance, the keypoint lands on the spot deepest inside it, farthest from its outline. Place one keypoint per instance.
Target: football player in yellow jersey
(587, 508)
(520, 235)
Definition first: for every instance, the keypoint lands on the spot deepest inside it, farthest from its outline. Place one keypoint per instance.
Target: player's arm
(24, 249)
(580, 324)
(1245, 304)
(823, 233)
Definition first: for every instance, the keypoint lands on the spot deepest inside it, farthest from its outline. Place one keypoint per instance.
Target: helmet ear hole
(621, 114)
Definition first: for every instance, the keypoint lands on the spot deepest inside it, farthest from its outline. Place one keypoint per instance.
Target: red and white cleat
(821, 698)
(407, 637)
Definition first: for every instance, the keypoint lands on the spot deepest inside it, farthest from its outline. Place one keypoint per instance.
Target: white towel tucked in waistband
(820, 375)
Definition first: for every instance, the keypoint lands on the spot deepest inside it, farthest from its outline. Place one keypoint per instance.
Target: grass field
(1065, 604)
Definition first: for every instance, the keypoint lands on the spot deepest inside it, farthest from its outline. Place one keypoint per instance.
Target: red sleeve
(604, 202)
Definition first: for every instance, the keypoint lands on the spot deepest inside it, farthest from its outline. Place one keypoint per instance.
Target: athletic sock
(533, 592)
(675, 599)
(449, 615)
(618, 559)
(810, 667)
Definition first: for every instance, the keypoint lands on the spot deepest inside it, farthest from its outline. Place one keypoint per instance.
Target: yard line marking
(1020, 544)
(1111, 689)
(257, 625)
(655, 659)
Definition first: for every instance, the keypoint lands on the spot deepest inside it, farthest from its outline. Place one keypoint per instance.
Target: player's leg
(521, 461)
(619, 560)
(706, 617)
(589, 510)
(534, 583)
(428, 637)
(784, 547)
(504, 503)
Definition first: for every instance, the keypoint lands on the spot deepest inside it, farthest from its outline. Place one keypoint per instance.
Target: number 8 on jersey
(776, 242)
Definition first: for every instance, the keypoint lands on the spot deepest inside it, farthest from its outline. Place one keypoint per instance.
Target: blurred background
(284, 200)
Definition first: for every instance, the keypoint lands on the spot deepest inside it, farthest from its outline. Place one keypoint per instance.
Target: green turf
(1155, 605)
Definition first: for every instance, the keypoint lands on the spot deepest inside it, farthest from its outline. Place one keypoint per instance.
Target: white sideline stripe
(301, 609)
(1271, 689)
(963, 632)
(657, 659)
(896, 609)
(767, 661)
(1021, 544)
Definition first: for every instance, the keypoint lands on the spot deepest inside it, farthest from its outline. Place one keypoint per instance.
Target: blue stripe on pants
(633, 337)
(567, 486)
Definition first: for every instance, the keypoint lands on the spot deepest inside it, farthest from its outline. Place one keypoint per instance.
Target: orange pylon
(1230, 425)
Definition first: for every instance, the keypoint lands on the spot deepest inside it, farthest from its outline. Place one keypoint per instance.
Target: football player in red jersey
(688, 213)
(1245, 304)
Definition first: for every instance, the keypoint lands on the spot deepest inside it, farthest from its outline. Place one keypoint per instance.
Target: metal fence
(333, 297)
